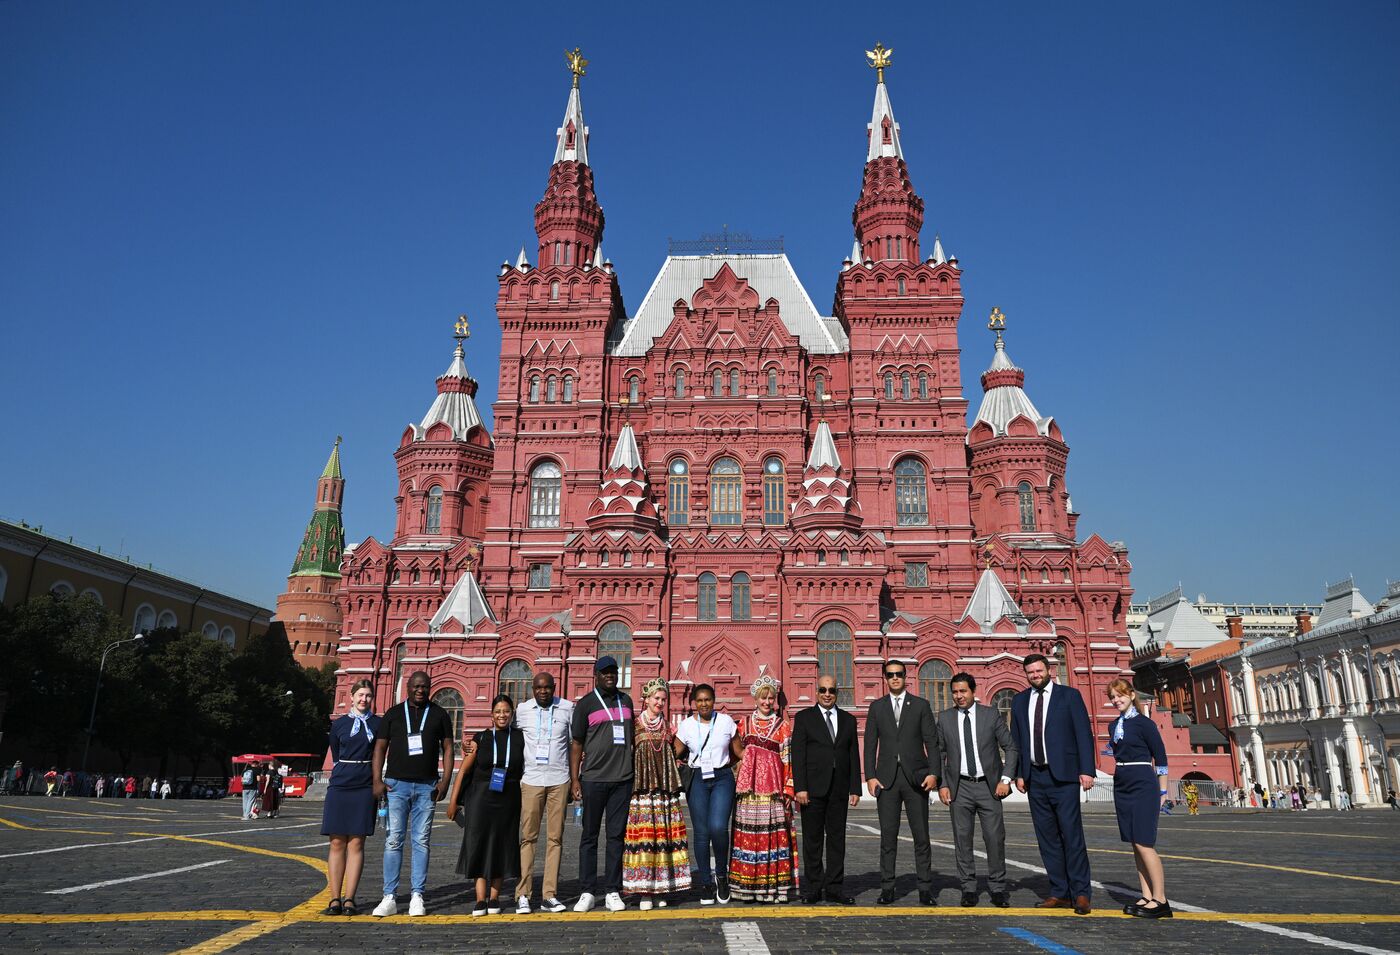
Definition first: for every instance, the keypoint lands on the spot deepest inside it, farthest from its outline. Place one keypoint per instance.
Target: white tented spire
(466, 604)
(625, 453)
(598, 256)
(990, 602)
(856, 257)
(573, 135)
(823, 450)
(522, 263)
(884, 131)
(938, 257)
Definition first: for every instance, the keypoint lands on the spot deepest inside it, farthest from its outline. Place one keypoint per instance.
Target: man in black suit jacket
(902, 760)
(826, 776)
(1056, 741)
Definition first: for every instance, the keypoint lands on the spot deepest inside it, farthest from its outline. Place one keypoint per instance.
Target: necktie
(1038, 733)
(831, 724)
(895, 701)
(969, 749)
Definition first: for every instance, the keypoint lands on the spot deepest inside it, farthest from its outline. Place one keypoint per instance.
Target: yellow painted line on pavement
(226, 941)
(19, 825)
(318, 864)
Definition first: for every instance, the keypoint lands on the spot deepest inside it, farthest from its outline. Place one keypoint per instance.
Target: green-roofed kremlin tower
(308, 609)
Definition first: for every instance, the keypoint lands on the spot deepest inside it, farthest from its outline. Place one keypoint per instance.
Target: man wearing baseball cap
(600, 770)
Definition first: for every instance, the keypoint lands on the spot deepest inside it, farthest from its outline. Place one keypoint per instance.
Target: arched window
(904, 386)
(834, 658)
(545, 481)
(772, 382)
(451, 701)
(626, 558)
(845, 557)
(615, 641)
(568, 394)
(726, 492)
(821, 558)
(515, 681)
(534, 389)
(558, 253)
(167, 620)
(774, 492)
(210, 630)
(145, 619)
(889, 385)
(934, 686)
(910, 493)
(554, 288)
(1060, 657)
(678, 493)
(604, 557)
(434, 524)
(708, 588)
(1027, 500)
(417, 576)
(923, 386)
(1001, 702)
(227, 636)
(634, 389)
(717, 387)
(819, 385)
(551, 389)
(680, 383)
(901, 285)
(62, 589)
(735, 388)
(739, 593)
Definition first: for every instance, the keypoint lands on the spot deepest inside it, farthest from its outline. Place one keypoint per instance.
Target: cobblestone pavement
(190, 876)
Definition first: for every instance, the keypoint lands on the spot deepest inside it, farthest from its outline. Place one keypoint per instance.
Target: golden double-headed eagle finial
(577, 64)
(997, 322)
(879, 59)
(461, 330)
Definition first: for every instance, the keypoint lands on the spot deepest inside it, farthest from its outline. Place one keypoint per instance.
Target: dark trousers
(915, 804)
(1059, 830)
(975, 801)
(600, 799)
(824, 825)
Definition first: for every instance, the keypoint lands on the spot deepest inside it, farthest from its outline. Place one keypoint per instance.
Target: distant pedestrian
(271, 791)
(165, 789)
(1343, 800)
(67, 783)
(249, 782)
(130, 787)
(51, 781)
(1294, 798)
(1391, 800)
(1193, 797)
(155, 787)
(101, 786)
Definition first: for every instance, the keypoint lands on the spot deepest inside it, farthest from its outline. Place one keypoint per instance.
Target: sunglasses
(823, 691)
(894, 674)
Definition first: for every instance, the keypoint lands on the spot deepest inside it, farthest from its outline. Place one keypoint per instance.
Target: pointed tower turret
(889, 214)
(624, 501)
(308, 609)
(569, 220)
(826, 499)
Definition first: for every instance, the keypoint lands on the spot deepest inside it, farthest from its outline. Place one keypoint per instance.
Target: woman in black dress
(348, 815)
(1137, 796)
(491, 770)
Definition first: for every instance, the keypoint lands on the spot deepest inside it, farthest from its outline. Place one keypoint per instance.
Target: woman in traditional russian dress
(763, 864)
(655, 855)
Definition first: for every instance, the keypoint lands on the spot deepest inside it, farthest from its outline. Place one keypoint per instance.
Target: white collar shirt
(1045, 717)
(971, 762)
(549, 725)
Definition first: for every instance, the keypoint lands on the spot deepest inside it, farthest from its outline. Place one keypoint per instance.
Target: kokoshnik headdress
(765, 681)
(652, 686)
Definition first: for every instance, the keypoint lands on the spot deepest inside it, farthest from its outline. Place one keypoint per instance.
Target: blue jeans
(248, 796)
(410, 805)
(711, 804)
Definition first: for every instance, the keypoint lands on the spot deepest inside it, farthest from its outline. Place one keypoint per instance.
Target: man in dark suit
(826, 775)
(1056, 741)
(901, 768)
(973, 738)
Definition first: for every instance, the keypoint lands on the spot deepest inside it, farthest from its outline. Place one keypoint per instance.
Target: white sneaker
(493, 907)
(660, 903)
(644, 905)
(552, 904)
(613, 901)
(522, 906)
(416, 906)
(386, 907)
(585, 902)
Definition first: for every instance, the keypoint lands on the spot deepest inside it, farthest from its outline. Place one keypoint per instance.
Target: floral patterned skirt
(655, 854)
(763, 863)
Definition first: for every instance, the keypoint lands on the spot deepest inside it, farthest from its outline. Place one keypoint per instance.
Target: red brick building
(725, 481)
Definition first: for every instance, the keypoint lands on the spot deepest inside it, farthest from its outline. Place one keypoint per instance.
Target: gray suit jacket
(912, 745)
(993, 740)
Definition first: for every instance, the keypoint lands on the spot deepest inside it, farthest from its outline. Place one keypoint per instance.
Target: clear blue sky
(232, 231)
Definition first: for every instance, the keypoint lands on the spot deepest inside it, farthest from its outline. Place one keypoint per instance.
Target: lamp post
(92, 717)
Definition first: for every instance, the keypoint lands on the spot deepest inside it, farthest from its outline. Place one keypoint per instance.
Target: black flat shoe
(335, 908)
(1160, 910)
(836, 898)
(349, 908)
(1131, 907)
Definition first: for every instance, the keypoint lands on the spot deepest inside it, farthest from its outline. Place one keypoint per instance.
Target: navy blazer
(1069, 736)
(1141, 742)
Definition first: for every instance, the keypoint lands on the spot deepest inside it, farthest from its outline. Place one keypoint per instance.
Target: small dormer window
(886, 131)
(569, 135)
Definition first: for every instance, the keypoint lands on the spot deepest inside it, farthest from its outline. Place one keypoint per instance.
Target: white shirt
(715, 754)
(1044, 719)
(972, 767)
(831, 718)
(897, 701)
(552, 723)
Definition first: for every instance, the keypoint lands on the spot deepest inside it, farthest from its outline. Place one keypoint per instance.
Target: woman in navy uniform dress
(1137, 796)
(348, 815)
(487, 794)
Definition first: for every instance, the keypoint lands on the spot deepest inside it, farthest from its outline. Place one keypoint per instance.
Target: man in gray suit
(902, 761)
(973, 738)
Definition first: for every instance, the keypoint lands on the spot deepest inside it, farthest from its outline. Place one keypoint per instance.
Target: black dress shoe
(886, 898)
(836, 898)
(1001, 900)
(927, 898)
(811, 900)
(1131, 907)
(969, 899)
(1159, 910)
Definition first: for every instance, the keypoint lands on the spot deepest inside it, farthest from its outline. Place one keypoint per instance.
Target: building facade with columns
(1321, 706)
(726, 481)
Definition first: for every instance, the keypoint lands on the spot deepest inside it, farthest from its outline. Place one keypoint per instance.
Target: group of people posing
(746, 783)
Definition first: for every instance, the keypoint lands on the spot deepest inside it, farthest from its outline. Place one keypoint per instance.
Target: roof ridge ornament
(461, 329)
(879, 59)
(577, 64)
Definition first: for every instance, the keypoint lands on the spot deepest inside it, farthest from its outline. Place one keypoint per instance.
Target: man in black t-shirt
(600, 764)
(413, 735)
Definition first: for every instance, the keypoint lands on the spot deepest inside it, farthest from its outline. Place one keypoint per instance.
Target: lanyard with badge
(707, 769)
(498, 773)
(415, 740)
(543, 718)
(619, 730)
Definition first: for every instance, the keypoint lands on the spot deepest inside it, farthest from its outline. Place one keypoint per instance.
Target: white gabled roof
(990, 602)
(1343, 602)
(1173, 619)
(771, 276)
(456, 409)
(573, 113)
(625, 453)
(465, 603)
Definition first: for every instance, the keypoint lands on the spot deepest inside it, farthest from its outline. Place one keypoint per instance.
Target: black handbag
(687, 776)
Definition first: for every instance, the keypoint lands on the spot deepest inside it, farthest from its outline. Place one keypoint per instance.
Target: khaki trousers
(535, 802)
